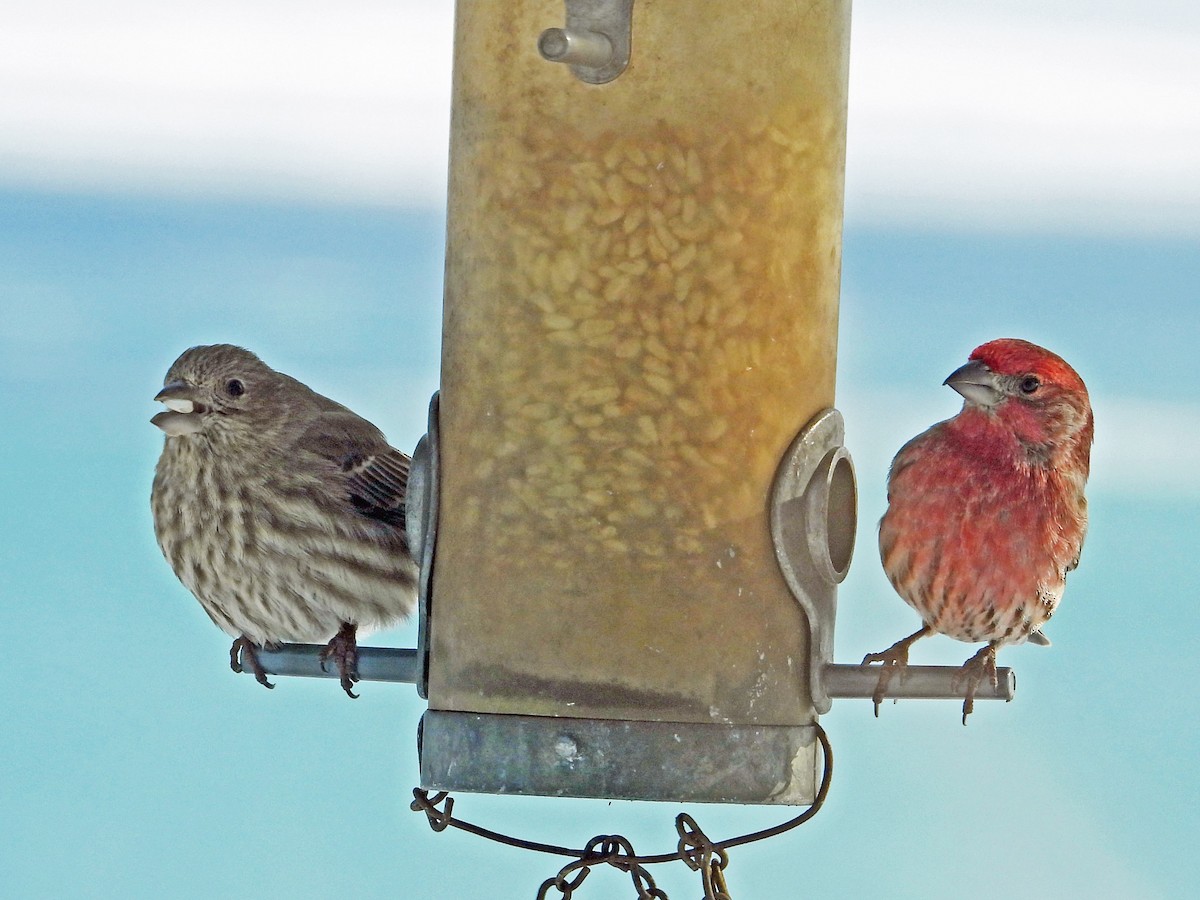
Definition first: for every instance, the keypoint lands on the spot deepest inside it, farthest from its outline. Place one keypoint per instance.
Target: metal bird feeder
(640, 316)
(633, 505)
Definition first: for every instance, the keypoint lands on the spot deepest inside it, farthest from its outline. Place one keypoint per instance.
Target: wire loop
(439, 819)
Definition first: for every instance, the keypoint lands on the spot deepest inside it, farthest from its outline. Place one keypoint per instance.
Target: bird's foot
(343, 650)
(980, 666)
(244, 654)
(894, 659)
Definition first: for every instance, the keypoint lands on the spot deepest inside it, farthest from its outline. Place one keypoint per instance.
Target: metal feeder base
(562, 757)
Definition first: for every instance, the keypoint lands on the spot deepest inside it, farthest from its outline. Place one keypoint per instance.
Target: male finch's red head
(1034, 394)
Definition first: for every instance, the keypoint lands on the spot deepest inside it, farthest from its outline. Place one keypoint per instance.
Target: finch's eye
(234, 388)
(1030, 383)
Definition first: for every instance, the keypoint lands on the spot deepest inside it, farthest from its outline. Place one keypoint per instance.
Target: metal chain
(703, 856)
(605, 849)
(694, 848)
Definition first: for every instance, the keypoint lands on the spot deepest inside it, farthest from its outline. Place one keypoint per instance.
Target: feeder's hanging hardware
(600, 850)
(695, 849)
(595, 42)
(701, 855)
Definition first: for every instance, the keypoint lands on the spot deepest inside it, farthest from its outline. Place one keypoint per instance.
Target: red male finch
(280, 510)
(986, 512)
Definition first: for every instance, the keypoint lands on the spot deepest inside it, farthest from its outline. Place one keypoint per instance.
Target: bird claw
(245, 649)
(894, 659)
(892, 663)
(343, 650)
(974, 670)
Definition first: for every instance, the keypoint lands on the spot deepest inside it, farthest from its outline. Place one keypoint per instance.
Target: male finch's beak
(977, 384)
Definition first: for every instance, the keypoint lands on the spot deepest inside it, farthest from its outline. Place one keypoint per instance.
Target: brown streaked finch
(279, 509)
(986, 511)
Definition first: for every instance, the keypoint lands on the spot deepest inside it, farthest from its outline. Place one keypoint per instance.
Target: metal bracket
(814, 514)
(421, 518)
(596, 41)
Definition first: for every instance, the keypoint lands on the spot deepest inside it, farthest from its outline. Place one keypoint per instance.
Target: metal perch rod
(840, 681)
(374, 663)
(915, 683)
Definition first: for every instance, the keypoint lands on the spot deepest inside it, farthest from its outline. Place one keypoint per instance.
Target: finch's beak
(183, 413)
(977, 384)
(178, 396)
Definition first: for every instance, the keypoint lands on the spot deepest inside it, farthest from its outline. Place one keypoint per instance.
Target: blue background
(136, 764)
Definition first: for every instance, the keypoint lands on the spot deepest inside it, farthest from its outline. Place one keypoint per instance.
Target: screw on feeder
(566, 748)
(579, 48)
(595, 41)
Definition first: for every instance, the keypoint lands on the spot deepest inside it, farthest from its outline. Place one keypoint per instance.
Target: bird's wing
(378, 484)
(372, 475)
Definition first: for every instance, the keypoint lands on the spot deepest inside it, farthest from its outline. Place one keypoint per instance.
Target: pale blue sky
(134, 764)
